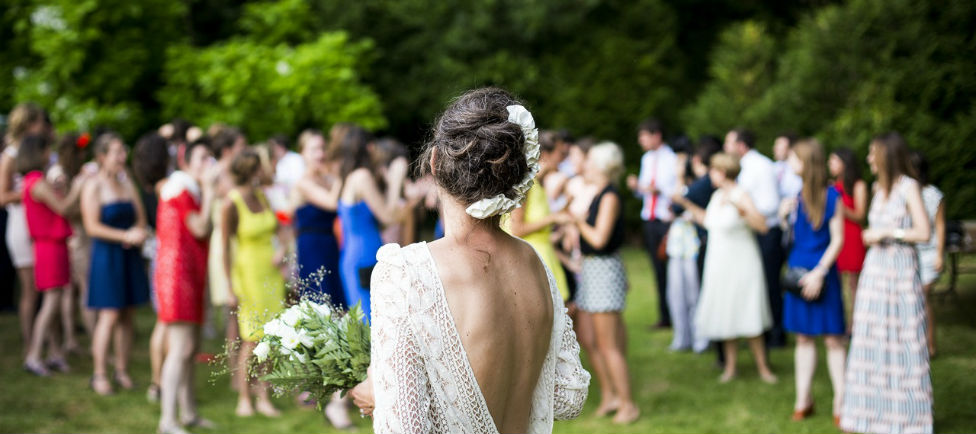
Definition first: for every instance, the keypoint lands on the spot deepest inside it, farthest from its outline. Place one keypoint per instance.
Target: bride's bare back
(501, 303)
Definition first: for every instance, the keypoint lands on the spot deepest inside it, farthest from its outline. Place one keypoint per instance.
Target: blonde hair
(22, 117)
(306, 136)
(727, 164)
(608, 158)
(814, 176)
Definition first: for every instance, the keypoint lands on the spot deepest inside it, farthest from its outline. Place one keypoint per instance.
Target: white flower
(323, 310)
(262, 350)
(290, 339)
(501, 204)
(305, 339)
(298, 356)
(274, 328)
(291, 316)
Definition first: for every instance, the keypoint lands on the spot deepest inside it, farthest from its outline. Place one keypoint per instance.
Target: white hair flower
(501, 204)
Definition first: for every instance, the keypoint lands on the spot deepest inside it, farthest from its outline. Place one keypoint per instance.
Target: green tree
(267, 89)
(94, 62)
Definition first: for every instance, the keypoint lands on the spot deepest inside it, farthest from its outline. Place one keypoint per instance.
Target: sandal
(105, 389)
(199, 422)
(37, 368)
(123, 380)
(58, 364)
(152, 393)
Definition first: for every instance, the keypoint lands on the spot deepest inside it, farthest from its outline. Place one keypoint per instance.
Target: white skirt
(18, 237)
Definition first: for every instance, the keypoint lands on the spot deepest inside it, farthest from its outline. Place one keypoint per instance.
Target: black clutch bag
(365, 275)
(791, 282)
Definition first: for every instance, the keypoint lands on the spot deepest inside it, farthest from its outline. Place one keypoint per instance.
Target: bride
(469, 333)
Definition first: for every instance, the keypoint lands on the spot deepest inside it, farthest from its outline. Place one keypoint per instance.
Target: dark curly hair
(71, 156)
(478, 152)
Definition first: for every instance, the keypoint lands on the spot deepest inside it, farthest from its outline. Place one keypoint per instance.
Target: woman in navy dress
(818, 235)
(115, 220)
(317, 195)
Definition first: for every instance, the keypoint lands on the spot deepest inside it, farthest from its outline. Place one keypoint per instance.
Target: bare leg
(41, 330)
(758, 348)
(158, 342)
(836, 362)
(929, 319)
(606, 329)
(27, 305)
(731, 348)
(587, 339)
(244, 406)
(233, 335)
(805, 362)
(123, 348)
(68, 319)
(179, 340)
(337, 411)
(87, 314)
(104, 329)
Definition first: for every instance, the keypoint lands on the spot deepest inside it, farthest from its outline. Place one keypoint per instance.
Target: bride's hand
(362, 395)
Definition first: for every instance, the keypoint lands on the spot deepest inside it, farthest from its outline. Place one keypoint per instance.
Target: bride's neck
(466, 230)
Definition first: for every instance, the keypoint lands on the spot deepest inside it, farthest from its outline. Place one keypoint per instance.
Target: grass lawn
(677, 392)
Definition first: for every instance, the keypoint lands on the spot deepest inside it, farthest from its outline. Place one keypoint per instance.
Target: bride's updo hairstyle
(478, 152)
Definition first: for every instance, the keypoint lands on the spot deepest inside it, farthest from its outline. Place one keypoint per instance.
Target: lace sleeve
(401, 388)
(572, 381)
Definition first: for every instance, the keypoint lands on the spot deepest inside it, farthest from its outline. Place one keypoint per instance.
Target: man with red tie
(656, 184)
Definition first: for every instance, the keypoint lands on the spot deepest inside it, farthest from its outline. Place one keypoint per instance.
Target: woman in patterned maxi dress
(887, 387)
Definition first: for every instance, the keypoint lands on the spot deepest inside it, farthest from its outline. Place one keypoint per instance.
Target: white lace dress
(422, 380)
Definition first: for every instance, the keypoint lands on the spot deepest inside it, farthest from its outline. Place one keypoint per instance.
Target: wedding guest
(733, 302)
(180, 280)
(887, 386)
(817, 237)
(258, 287)
(45, 208)
(603, 280)
(758, 180)
(686, 249)
(226, 144)
(151, 164)
(931, 252)
(363, 207)
(533, 221)
(115, 220)
(74, 153)
(289, 165)
(787, 180)
(655, 185)
(846, 171)
(440, 362)
(24, 119)
(388, 157)
(316, 196)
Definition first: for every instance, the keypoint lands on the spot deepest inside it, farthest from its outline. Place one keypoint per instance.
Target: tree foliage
(848, 72)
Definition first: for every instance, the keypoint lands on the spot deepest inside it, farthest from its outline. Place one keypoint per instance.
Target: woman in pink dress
(183, 223)
(49, 231)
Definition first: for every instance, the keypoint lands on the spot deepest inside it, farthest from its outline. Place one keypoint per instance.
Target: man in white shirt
(758, 179)
(656, 184)
(289, 165)
(788, 181)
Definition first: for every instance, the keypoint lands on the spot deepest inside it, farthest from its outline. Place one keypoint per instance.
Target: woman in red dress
(846, 172)
(183, 226)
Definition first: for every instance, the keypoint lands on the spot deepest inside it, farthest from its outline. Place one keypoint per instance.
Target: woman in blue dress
(316, 195)
(115, 220)
(363, 205)
(818, 235)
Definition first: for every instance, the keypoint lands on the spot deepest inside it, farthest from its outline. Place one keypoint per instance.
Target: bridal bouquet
(310, 347)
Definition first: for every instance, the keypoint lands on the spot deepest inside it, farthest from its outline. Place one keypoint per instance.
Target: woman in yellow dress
(533, 221)
(251, 269)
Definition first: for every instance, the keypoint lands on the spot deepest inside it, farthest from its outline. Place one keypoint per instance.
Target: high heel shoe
(106, 386)
(799, 415)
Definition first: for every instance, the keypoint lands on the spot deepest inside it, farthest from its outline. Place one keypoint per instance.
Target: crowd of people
(204, 226)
